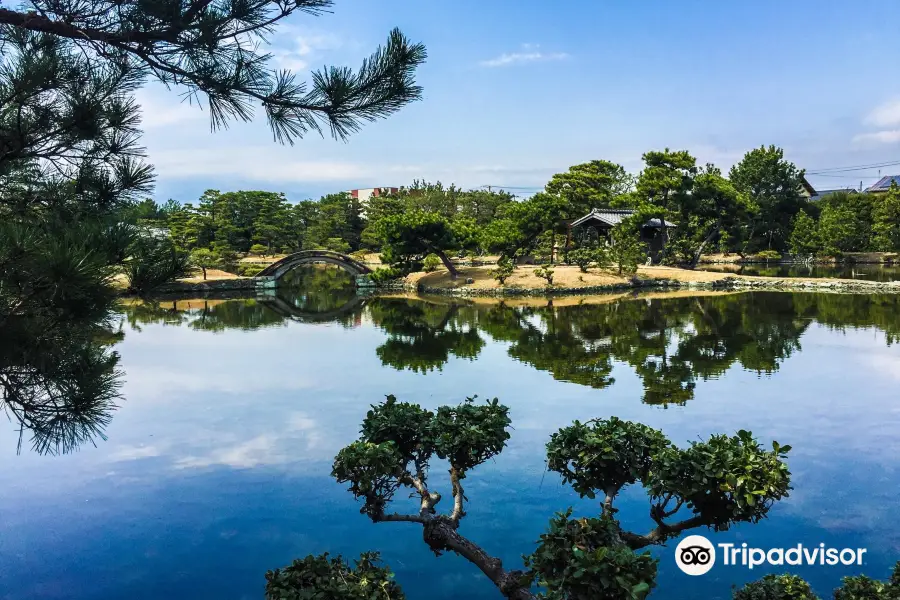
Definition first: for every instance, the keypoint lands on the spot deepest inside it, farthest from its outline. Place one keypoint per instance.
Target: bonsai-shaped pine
(258, 250)
(627, 251)
(792, 587)
(504, 270)
(716, 483)
(586, 256)
(545, 272)
(204, 258)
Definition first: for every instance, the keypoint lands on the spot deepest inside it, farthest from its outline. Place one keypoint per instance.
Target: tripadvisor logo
(696, 555)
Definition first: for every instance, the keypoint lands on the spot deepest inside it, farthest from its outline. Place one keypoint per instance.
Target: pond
(215, 467)
(867, 271)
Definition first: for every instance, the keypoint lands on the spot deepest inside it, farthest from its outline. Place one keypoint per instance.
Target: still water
(216, 464)
(865, 271)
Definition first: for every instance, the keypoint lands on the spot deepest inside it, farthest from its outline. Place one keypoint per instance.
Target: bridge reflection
(288, 309)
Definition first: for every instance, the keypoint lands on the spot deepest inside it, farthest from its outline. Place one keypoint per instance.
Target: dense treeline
(759, 207)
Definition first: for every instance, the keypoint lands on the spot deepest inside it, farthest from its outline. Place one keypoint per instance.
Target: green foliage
(204, 258)
(431, 263)
(546, 273)
(410, 236)
(153, 262)
(258, 250)
(337, 245)
(323, 578)
(398, 439)
(504, 269)
(522, 223)
(791, 587)
(886, 221)
(373, 472)
(776, 587)
(769, 255)
(585, 559)
(773, 186)
(469, 434)
(845, 223)
(861, 587)
(603, 455)
(595, 184)
(804, 238)
(385, 274)
(724, 480)
(249, 269)
(586, 257)
(627, 251)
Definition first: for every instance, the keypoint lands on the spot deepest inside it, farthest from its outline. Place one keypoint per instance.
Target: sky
(515, 91)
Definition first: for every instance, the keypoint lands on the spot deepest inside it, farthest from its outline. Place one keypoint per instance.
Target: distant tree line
(759, 207)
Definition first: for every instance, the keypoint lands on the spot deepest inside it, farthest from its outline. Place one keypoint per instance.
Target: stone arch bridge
(270, 275)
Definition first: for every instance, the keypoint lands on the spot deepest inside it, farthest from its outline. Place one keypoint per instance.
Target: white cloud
(886, 115)
(529, 53)
(166, 108)
(888, 136)
(265, 163)
(295, 53)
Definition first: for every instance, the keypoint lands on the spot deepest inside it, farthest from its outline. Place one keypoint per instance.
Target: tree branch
(458, 496)
(441, 534)
(661, 533)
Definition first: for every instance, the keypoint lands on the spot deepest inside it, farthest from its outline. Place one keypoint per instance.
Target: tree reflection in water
(59, 380)
(671, 343)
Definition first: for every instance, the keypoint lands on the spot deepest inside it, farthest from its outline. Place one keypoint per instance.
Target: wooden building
(597, 226)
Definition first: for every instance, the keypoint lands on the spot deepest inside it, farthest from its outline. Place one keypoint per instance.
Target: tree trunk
(440, 534)
(703, 244)
(446, 260)
(204, 272)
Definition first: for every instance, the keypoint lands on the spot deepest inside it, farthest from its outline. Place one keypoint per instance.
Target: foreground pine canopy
(713, 484)
(72, 170)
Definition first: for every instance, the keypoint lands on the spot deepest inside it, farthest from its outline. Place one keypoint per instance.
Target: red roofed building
(364, 194)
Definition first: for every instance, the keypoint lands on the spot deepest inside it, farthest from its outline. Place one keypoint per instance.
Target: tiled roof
(884, 184)
(613, 217)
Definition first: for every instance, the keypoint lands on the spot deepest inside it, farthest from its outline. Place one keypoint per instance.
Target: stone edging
(727, 283)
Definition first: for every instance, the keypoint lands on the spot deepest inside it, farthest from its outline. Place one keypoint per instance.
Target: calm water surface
(216, 467)
(869, 272)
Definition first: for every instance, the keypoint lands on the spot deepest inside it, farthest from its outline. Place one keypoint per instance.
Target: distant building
(364, 194)
(883, 184)
(807, 190)
(598, 224)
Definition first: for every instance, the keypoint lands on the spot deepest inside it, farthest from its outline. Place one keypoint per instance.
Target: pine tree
(71, 165)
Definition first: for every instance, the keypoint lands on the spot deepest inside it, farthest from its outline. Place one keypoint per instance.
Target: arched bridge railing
(277, 269)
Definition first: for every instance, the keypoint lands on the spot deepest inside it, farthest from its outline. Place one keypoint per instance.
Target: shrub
(250, 269)
(776, 587)
(258, 250)
(769, 255)
(545, 272)
(627, 250)
(359, 255)
(586, 257)
(431, 263)
(505, 268)
(385, 274)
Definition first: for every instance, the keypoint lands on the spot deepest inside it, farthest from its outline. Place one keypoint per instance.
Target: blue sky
(515, 91)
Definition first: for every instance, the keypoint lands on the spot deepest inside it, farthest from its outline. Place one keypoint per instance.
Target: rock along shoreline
(724, 284)
(735, 283)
